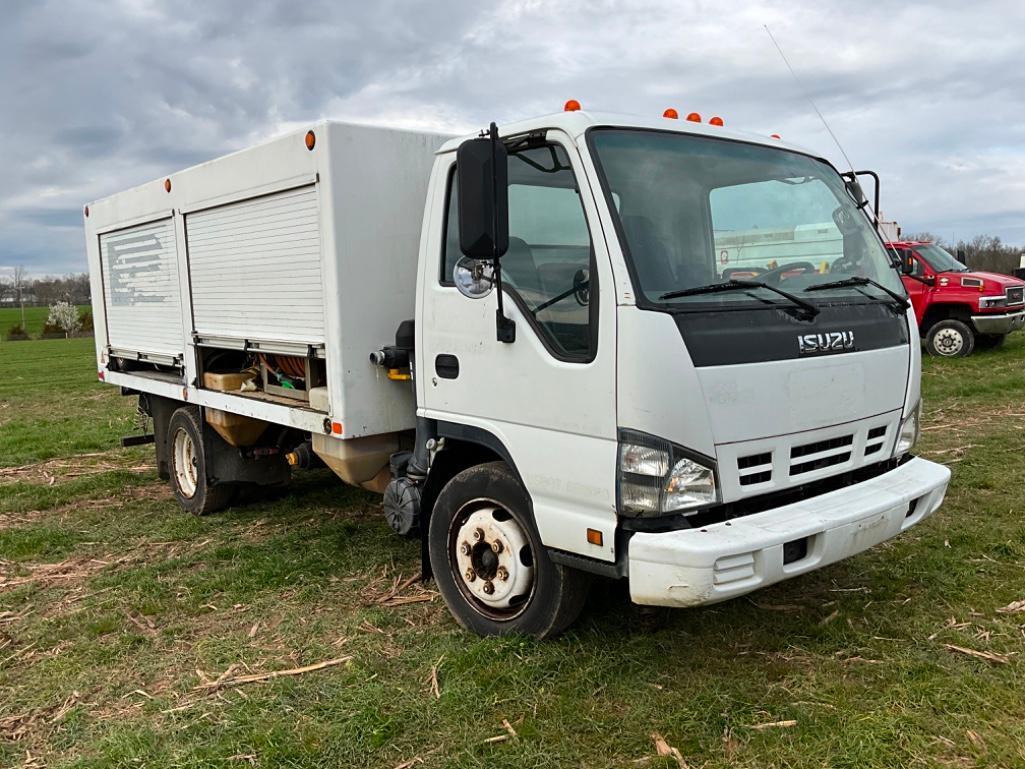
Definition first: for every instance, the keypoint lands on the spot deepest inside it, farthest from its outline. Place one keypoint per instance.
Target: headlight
(657, 477)
(986, 302)
(909, 431)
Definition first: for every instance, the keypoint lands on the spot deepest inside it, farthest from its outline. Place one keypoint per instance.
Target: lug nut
(478, 534)
(465, 548)
(471, 575)
(502, 574)
(496, 546)
(489, 587)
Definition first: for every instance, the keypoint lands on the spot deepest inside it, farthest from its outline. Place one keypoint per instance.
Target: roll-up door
(255, 268)
(141, 289)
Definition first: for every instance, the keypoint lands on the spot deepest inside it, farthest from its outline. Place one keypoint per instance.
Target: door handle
(446, 366)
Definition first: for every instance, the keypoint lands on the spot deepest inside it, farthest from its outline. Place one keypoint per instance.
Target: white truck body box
(279, 248)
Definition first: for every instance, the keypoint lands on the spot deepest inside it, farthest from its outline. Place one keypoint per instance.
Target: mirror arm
(505, 328)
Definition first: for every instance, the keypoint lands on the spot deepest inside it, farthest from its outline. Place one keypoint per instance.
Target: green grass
(124, 599)
(35, 317)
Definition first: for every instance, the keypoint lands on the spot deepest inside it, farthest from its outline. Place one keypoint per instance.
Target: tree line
(17, 288)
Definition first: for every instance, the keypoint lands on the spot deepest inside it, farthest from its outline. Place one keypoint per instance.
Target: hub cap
(491, 560)
(185, 473)
(948, 341)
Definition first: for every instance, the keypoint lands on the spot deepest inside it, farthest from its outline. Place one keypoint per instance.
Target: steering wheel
(777, 272)
(582, 287)
(581, 291)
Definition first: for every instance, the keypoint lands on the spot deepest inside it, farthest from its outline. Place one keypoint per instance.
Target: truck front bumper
(999, 324)
(702, 566)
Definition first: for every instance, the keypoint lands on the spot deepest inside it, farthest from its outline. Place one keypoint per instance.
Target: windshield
(694, 211)
(939, 259)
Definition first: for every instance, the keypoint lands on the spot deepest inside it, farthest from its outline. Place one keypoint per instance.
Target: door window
(548, 267)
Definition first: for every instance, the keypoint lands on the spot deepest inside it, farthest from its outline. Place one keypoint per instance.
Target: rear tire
(186, 453)
(990, 341)
(489, 563)
(950, 339)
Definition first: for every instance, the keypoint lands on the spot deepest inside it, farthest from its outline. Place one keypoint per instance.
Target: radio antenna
(807, 95)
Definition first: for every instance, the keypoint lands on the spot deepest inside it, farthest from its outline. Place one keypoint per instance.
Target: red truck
(958, 309)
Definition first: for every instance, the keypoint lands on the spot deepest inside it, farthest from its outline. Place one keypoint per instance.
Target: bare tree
(19, 286)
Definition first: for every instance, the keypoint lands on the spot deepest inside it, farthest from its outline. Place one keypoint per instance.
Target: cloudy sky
(96, 96)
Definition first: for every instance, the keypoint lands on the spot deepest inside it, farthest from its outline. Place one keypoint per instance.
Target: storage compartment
(281, 378)
(255, 268)
(141, 292)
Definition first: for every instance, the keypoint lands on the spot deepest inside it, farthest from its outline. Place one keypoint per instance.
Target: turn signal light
(311, 140)
(671, 113)
(571, 106)
(716, 121)
(336, 428)
(595, 537)
(694, 117)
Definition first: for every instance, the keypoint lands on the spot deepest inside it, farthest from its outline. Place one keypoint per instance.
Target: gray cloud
(98, 97)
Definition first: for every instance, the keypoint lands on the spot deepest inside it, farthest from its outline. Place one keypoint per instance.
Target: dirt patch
(54, 471)
(158, 490)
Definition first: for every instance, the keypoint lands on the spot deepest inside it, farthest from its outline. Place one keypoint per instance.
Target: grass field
(118, 613)
(35, 317)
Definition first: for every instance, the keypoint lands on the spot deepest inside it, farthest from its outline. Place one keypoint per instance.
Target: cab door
(548, 398)
(918, 285)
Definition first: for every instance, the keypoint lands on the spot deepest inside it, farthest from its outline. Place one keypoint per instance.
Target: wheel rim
(948, 341)
(185, 473)
(491, 560)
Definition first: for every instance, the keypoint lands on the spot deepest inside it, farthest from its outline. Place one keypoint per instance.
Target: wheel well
(945, 311)
(456, 456)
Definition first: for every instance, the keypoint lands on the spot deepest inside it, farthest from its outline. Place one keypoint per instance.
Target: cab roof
(576, 123)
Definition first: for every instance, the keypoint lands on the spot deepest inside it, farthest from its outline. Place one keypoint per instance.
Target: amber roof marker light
(311, 140)
(718, 121)
(671, 113)
(167, 185)
(694, 117)
(571, 106)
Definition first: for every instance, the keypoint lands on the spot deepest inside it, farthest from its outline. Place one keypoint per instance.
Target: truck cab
(655, 417)
(958, 309)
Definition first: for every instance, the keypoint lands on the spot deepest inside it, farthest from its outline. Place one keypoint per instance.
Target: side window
(548, 265)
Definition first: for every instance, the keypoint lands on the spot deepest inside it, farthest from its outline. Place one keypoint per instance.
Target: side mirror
(907, 263)
(482, 169)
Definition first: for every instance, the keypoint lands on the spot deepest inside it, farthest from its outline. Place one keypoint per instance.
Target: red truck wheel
(950, 339)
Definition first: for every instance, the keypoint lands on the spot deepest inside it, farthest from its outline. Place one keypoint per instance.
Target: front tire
(950, 339)
(489, 563)
(186, 453)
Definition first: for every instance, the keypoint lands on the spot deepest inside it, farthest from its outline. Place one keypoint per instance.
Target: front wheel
(950, 339)
(489, 563)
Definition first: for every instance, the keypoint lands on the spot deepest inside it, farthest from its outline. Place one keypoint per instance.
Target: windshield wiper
(740, 285)
(856, 281)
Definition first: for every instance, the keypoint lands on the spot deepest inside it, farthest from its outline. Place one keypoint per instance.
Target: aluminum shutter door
(141, 290)
(255, 268)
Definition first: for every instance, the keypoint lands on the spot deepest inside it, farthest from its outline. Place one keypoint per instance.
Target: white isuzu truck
(529, 344)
